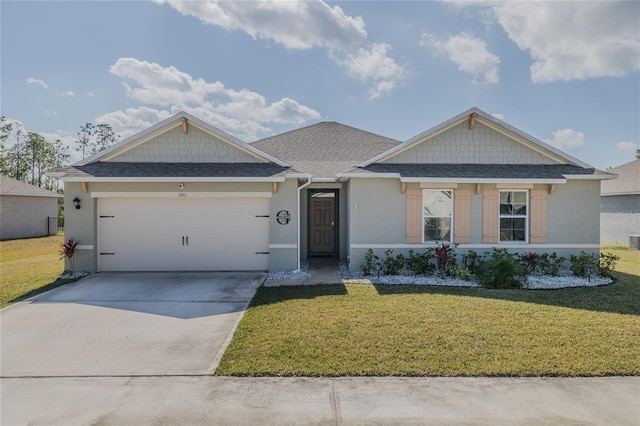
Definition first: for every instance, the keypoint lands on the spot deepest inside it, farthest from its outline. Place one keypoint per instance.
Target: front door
(322, 223)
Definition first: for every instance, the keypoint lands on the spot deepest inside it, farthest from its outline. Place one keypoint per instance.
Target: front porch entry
(323, 232)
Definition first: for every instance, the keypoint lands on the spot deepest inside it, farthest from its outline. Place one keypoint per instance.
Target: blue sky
(565, 72)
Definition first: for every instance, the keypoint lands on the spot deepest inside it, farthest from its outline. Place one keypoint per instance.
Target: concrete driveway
(131, 324)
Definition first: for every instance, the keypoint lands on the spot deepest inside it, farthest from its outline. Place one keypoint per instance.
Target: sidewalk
(209, 400)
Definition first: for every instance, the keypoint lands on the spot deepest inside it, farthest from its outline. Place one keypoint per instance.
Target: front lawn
(28, 267)
(364, 329)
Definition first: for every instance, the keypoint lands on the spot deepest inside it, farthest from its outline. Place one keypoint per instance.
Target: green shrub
(550, 264)
(393, 265)
(501, 270)
(607, 263)
(471, 260)
(370, 259)
(584, 265)
(462, 273)
(420, 263)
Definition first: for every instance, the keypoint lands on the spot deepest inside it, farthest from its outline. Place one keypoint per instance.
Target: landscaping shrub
(471, 260)
(550, 264)
(607, 263)
(393, 265)
(501, 270)
(529, 261)
(462, 273)
(370, 259)
(420, 263)
(584, 265)
(445, 258)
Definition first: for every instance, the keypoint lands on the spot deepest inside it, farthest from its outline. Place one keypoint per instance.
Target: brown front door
(322, 223)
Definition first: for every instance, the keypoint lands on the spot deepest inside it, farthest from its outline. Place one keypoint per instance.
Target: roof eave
(174, 179)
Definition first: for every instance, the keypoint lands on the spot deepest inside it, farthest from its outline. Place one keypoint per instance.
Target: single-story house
(184, 195)
(620, 204)
(26, 211)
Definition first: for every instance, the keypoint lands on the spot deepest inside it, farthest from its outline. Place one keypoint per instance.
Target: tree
(93, 138)
(104, 137)
(637, 153)
(84, 138)
(28, 158)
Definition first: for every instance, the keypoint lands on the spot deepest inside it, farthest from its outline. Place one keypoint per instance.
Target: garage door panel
(183, 234)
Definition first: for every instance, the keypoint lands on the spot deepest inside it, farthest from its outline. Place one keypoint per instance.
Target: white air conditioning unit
(634, 242)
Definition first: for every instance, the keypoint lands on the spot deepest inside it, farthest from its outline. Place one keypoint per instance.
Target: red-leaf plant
(445, 256)
(68, 250)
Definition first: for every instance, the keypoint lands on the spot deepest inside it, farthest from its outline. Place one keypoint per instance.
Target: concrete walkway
(322, 270)
(320, 401)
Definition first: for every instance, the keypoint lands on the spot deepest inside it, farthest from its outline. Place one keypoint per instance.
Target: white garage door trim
(181, 195)
(183, 234)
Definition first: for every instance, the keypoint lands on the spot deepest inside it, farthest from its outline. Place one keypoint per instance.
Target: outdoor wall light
(76, 202)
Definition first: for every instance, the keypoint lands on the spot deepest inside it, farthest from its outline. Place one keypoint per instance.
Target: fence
(55, 225)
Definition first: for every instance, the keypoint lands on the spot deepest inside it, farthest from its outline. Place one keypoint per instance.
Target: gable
(462, 145)
(174, 146)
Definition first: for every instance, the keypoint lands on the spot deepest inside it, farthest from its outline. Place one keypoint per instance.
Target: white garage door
(202, 234)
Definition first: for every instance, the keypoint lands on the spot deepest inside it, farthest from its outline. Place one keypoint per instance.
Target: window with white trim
(514, 216)
(437, 215)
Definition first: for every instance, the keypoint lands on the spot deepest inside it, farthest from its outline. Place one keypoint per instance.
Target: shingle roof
(325, 149)
(480, 171)
(10, 186)
(628, 179)
(186, 170)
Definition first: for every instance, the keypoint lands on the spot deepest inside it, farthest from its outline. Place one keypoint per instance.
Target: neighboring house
(25, 210)
(183, 195)
(620, 204)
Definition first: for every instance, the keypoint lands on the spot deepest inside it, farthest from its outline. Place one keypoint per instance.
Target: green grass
(28, 267)
(362, 329)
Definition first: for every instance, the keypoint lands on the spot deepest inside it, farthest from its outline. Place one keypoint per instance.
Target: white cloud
(573, 40)
(51, 112)
(294, 24)
(498, 116)
(304, 25)
(91, 94)
(67, 94)
(166, 90)
(566, 139)
(31, 80)
(469, 53)
(372, 64)
(626, 146)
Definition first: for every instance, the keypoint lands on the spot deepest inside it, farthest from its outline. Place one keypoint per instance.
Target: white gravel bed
(300, 274)
(534, 282)
(66, 275)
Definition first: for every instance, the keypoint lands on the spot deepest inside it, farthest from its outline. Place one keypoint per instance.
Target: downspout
(307, 183)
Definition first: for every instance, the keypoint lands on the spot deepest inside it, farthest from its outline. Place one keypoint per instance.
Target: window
(437, 209)
(513, 216)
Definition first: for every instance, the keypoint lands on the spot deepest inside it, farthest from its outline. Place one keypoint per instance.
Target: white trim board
(283, 246)
(181, 194)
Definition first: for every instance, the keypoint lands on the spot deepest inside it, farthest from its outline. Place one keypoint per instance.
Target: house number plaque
(283, 217)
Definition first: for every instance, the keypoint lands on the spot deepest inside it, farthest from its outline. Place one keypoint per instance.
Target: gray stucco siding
(284, 257)
(573, 213)
(25, 216)
(377, 214)
(619, 218)
(378, 211)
